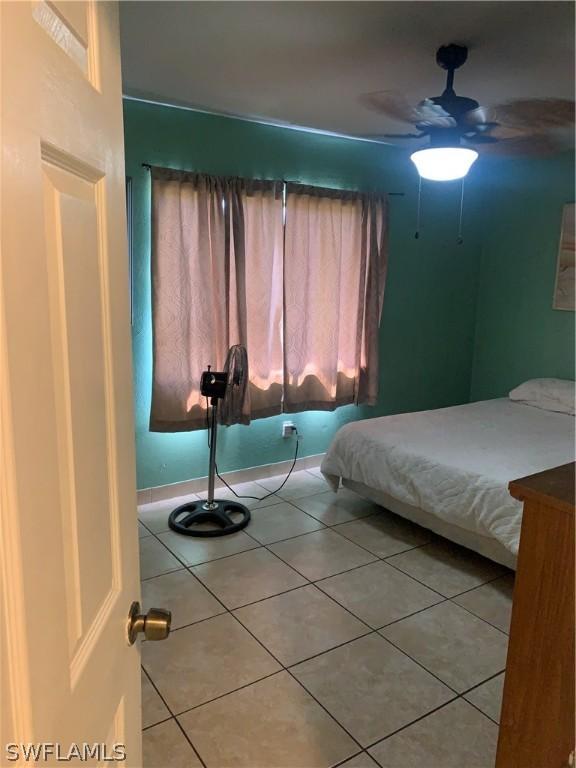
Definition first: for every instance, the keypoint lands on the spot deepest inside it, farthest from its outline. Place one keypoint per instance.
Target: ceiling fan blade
(480, 138)
(476, 116)
(391, 138)
(431, 115)
(478, 120)
(536, 145)
(403, 135)
(391, 103)
(533, 115)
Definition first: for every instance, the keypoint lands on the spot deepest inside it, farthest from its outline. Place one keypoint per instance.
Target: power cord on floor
(256, 498)
(262, 498)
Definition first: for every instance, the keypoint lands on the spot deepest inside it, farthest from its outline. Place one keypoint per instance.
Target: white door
(68, 552)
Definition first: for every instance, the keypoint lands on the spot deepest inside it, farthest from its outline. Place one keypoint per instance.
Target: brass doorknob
(155, 625)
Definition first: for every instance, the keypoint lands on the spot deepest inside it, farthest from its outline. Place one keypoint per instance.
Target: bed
(448, 469)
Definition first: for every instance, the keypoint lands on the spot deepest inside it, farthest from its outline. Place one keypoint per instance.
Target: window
(301, 288)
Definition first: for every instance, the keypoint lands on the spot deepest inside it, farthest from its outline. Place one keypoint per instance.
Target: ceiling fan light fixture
(443, 163)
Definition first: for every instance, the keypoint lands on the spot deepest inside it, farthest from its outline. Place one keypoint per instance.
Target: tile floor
(328, 633)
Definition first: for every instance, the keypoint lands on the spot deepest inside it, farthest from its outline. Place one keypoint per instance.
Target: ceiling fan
(454, 124)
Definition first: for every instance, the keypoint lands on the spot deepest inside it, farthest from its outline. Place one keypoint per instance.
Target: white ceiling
(306, 63)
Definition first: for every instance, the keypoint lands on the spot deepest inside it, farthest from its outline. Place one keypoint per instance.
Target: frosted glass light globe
(443, 163)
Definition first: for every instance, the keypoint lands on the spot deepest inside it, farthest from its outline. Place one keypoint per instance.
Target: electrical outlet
(288, 428)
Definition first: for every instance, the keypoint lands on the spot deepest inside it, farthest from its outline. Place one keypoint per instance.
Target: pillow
(549, 394)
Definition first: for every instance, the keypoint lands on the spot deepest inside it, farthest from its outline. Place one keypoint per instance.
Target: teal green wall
(427, 330)
(518, 334)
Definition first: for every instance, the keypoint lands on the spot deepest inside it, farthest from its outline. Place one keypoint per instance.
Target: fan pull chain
(460, 238)
(417, 233)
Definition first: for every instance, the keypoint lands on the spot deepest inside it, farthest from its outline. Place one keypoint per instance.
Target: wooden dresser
(537, 721)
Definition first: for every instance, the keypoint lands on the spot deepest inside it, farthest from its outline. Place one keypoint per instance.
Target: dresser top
(554, 487)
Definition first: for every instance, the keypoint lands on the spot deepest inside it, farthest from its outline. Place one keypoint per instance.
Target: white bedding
(456, 462)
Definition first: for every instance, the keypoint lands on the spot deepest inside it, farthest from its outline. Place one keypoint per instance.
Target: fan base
(199, 518)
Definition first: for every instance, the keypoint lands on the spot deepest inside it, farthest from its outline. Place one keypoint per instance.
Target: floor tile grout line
(160, 722)
(408, 725)
(380, 560)
(254, 602)
(153, 684)
(447, 597)
(143, 524)
(332, 717)
(326, 527)
(229, 612)
(334, 526)
(204, 562)
(352, 519)
(409, 615)
(409, 549)
(268, 547)
(480, 618)
(318, 585)
(344, 607)
(277, 556)
(283, 668)
(371, 631)
(188, 739)
(392, 565)
(471, 703)
(225, 609)
(289, 538)
(380, 557)
(484, 583)
(279, 502)
(189, 566)
(324, 578)
(346, 759)
(197, 621)
(260, 642)
(228, 693)
(296, 535)
(487, 680)
(358, 520)
(313, 581)
(398, 648)
(440, 602)
(289, 670)
(332, 648)
(316, 520)
(164, 573)
(323, 527)
(451, 599)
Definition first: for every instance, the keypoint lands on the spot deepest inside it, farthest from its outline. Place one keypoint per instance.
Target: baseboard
(198, 484)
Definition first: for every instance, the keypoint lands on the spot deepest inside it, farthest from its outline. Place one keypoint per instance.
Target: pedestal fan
(210, 516)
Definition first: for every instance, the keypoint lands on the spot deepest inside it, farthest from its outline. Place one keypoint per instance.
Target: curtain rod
(286, 181)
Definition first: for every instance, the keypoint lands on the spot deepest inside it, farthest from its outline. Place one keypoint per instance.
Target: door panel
(68, 545)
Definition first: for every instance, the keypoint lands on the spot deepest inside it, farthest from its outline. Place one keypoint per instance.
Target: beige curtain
(217, 249)
(334, 274)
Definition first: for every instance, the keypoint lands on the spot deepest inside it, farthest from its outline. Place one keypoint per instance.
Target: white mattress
(456, 462)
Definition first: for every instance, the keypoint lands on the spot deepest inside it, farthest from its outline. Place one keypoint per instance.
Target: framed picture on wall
(566, 265)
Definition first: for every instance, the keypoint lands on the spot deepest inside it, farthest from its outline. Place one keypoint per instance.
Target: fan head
(235, 408)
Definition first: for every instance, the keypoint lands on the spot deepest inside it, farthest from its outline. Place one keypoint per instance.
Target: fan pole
(215, 517)
(210, 504)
